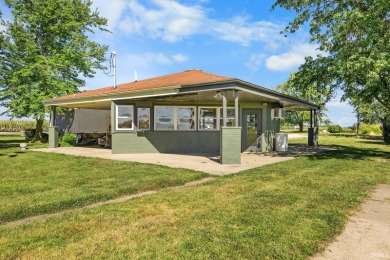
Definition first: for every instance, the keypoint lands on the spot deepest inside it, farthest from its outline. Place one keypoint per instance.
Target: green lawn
(33, 183)
(288, 210)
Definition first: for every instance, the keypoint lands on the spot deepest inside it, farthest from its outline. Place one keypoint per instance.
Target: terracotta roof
(189, 77)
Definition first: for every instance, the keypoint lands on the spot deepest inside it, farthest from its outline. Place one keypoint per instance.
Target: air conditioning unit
(277, 113)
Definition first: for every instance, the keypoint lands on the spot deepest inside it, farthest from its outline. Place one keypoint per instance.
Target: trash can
(281, 142)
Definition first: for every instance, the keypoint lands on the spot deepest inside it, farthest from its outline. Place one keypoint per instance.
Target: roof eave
(169, 90)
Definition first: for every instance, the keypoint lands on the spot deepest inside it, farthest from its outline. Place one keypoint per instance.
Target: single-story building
(188, 112)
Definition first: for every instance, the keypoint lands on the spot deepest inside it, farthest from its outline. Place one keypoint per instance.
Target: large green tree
(45, 49)
(310, 94)
(355, 34)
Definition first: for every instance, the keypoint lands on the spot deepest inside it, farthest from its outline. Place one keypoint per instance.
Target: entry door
(251, 130)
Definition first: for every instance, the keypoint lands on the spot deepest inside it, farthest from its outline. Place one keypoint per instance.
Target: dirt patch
(367, 234)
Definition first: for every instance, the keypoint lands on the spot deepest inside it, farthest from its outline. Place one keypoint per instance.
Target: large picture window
(174, 118)
(124, 117)
(143, 118)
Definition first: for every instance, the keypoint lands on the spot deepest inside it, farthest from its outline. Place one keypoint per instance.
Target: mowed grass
(289, 210)
(33, 183)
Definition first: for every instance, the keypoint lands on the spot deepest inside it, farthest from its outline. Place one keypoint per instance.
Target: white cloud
(148, 59)
(293, 58)
(112, 10)
(179, 57)
(255, 61)
(172, 21)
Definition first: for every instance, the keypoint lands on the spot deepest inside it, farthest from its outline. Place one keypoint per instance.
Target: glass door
(251, 130)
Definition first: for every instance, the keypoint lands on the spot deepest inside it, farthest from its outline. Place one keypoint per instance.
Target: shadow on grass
(345, 152)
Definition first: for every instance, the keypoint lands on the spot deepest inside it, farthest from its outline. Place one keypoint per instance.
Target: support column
(224, 108)
(313, 129)
(53, 129)
(236, 111)
(53, 115)
(230, 151)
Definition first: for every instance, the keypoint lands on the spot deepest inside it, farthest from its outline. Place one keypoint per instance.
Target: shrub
(370, 130)
(348, 130)
(69, 139)
(333, 129)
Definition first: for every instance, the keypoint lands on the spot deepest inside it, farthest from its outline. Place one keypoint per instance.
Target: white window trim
(175, 118)
(150, 117)
(117, 116)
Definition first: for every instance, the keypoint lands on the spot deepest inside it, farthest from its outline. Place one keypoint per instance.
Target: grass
(33, 183)
(288, 210)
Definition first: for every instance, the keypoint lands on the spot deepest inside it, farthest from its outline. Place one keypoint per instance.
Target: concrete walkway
(201, 162)
(367, 234)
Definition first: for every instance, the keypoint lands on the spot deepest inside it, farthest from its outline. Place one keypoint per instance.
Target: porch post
(311, 117)
(224, 107)
(53, 114)
(313, 129)
(236, 112)
(53, 129)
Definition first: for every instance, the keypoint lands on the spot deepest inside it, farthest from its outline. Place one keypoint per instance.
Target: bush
(370, 130)
(348, 130)
(69, 139)
(333, 129)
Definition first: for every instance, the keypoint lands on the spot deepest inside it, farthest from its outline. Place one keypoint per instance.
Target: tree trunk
(386, 128)
(39, 130)
(301, 126)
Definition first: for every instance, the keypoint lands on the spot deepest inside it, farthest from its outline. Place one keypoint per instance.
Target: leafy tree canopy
(45, 49)
(355, 34)
(310, 94)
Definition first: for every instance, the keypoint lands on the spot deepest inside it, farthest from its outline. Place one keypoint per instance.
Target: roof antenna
(135, 76)
(113, 54)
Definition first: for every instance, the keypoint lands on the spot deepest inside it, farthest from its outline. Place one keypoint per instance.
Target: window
(230, 117)
(143, 117)
(124, 117)
(208, 118)
(175, 118)
(211, 118)
(186, 118)
(164, 118)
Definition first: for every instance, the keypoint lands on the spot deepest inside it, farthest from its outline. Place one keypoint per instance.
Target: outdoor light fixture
(218, 95)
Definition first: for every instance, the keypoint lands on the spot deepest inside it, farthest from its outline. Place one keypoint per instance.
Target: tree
(355, 36)
(310, 94)
(45, 48)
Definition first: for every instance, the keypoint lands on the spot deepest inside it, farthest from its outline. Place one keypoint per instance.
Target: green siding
(192, 141)
(230, 145)
(166, 142)
(53, 137)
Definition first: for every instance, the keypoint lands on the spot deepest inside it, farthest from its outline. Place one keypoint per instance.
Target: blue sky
(240, 39)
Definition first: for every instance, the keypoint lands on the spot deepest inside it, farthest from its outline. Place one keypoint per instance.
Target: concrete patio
(208, 163)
